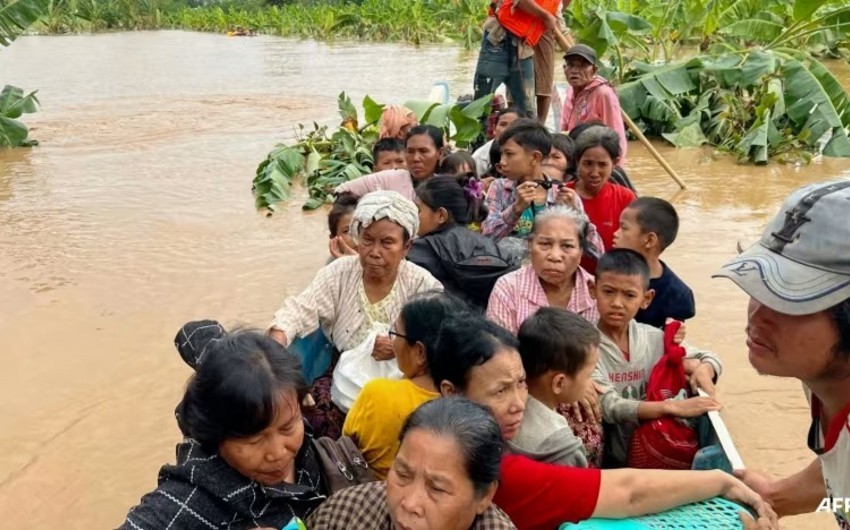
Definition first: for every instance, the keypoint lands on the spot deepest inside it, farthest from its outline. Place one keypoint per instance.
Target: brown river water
(135, 215)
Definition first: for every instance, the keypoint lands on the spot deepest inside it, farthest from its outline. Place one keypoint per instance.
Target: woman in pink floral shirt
(553, 279)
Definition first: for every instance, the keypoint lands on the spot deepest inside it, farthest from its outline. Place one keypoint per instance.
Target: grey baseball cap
(584, 51)
(801, 265)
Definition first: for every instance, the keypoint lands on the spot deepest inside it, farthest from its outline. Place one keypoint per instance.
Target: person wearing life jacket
(590, 97)
(511, 31)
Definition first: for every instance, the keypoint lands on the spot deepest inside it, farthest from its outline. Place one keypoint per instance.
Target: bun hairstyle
(461, 196)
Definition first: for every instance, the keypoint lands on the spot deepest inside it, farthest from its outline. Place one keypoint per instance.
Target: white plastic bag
(356, 367)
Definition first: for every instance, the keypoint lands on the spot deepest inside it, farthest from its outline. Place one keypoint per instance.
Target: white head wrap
(386, 204)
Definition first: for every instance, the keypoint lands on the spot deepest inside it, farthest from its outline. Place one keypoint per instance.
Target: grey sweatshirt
(625, 381)
(546, 436)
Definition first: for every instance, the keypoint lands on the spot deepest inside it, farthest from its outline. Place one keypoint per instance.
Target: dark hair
(520, 113)
(460, 196)
(435, 133)
(423, 317)
(564, 144)
(472, 427)
(235, 391)
(623, 261)
(495, 158)
(466, 341)
(657, 216)
(451, 164)
(841, 314)
(555, 339)
(529, 134)
(386, 145)
(600, 136)
(344, 204)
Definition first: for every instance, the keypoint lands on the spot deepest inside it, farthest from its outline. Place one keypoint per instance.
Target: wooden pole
(565, 45)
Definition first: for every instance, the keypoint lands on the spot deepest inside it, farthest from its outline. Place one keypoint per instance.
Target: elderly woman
(245, 446)
(590, 97)
(375, 419)
(349, 296)
(479, 360)
(443, 478)
(424, 148)
(597, 152)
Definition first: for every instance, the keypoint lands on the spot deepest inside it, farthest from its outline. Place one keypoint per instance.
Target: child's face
(342, 228)
(558, 159)
(390, 160)
(518, 163)
(578, 384)
(619, 297)
(630, 235)
(504, 121)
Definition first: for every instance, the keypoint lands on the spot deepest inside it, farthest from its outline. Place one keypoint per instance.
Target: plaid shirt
(518, 295)
(203, 492)
(364, 507)
(502, 220)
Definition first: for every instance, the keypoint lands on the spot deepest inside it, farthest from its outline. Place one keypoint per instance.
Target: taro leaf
(688, 136)
(438, 116)
(479, 108)
(372, 111)
(467, 128)
(816, 101)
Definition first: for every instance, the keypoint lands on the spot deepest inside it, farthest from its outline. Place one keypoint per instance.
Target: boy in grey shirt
(559, 351)
(628, 351)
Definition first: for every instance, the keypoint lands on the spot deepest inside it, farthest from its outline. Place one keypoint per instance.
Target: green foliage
(323, 160)
(13, 104)
(16, 17)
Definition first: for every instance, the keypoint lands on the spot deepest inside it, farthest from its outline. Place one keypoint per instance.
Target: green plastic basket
(713, 514)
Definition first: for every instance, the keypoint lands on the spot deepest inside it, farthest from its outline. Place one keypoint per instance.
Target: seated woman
(597, 152)
(443, 478)
(479, 360)
(376, 417)
(349, 296)
(554, 279)
(446, 247)
(245, 445)
(424, 149)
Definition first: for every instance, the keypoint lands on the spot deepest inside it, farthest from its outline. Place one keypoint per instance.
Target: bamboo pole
(565, 45)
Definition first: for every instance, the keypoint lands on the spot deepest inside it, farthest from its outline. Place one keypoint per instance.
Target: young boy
(559, 351)
(482, 155)
(628, 351)
(388, 153)
(648, 226)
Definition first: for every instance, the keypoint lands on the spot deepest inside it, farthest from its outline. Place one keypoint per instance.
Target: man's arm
(802, 492)
(533, 8)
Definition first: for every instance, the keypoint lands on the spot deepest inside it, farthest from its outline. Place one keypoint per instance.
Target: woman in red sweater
(597, 153)
(479, 360)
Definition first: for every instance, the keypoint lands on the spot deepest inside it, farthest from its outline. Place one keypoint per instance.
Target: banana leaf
(16, 17)
(13, 104)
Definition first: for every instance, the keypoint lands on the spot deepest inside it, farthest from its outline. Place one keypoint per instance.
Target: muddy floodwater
(135, 215)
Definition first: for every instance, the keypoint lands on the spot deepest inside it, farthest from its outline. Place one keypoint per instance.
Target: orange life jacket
(523, 25)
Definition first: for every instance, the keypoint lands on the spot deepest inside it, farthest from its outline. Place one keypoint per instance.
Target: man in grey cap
(798, 325)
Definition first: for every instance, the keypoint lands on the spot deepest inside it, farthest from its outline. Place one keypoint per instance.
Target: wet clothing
(375, 420)
(446, 254)
(539, 496)
(202, 492)
(673, 299)
(546, 436)
(625, 379)
(831, 443)
(597, 101)
(364, 507)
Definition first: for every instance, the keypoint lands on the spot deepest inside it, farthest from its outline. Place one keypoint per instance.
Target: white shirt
(833, 450)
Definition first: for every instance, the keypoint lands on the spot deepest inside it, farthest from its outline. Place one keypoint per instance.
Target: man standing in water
(798, 325)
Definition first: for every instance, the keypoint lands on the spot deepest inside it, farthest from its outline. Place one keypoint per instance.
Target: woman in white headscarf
(349, 296)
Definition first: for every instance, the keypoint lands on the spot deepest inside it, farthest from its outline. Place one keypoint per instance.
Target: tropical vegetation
(15, 18)
(323, 159)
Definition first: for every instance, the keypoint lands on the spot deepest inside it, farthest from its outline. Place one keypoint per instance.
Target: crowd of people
(519, 293)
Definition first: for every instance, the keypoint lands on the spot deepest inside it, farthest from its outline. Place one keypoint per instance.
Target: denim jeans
(500, 64)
